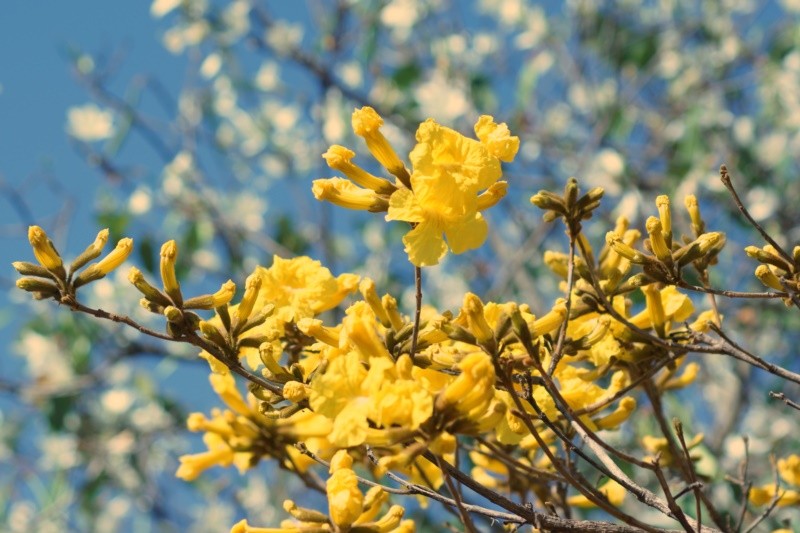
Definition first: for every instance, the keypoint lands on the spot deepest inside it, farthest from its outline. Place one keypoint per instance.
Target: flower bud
(665, 216)
(698, 226)
(31, 269)
(655, 308)
(92, 252)
(252, 286)
(46, 288)
(658, 241)
(294, 391)
(169, 255)
(766, 276)
(110, 262)
(150, 293)
(617, 244)
(212, 301)
(476, 321)
(368, 292)
(366, 123)
(345, 194)
(491, 196)
(44, 251)
(339, 158)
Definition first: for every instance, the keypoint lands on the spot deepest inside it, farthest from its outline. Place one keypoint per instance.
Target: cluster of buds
(663, 257)
(49, 278)
(777, 270)
(170, 302)
(571, 208)
(362, 190)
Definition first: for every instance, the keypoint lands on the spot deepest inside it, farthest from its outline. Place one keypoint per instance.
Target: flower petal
(467, 235)
(425, 245)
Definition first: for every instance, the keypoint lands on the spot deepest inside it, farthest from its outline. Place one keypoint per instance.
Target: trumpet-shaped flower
(437, 208)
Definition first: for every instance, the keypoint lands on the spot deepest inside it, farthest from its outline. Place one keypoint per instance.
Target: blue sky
(36, 89)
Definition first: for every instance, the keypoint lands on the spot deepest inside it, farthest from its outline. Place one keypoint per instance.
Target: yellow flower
(449, 172)
(765, 494)
(219, 453)
(301, 287)
(437, 209)
(345, 501)
(497, 139)
(441, 151)
(473, 390)
(789, 469)
(613, 491)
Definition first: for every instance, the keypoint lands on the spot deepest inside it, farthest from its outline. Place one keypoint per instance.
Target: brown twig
(692, 474)
(417, 309)
(562, 331)
(782, 397)
(193, 339)
(726, 180)
(456, 494)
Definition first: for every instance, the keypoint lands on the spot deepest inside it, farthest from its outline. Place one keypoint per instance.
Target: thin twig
(772, 504)
(418, 308)
(562, 331)
(673, 505)
(731, 294)
(782, 397)
(192, 339)
(746, 484)
(465, 518)
(693, 475)
(726, 180)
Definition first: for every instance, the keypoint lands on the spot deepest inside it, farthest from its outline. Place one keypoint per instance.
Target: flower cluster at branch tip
(49, 279)
(452, 180)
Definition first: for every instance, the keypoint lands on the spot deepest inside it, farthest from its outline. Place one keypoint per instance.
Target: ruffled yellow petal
(425, 245)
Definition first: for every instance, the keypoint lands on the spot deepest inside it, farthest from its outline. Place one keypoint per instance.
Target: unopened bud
(44, 250)
(632, 255)
(169, 255)
(251, 288)
(698, 226)
(212, 333)
(473, 309)
(766, 276)
(91, 252)
(769, 258)
(31, 269)
(390, 304)
(37, 285)
(657, 240)
(370, 295)
(212, 301)
(665, 216)
(136, 277)
(110, 262)
(655, 308)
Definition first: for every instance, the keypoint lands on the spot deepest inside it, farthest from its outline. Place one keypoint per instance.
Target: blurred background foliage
(641, 97)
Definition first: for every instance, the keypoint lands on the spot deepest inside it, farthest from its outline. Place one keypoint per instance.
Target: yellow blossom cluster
(378, 395)
(452, 180)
